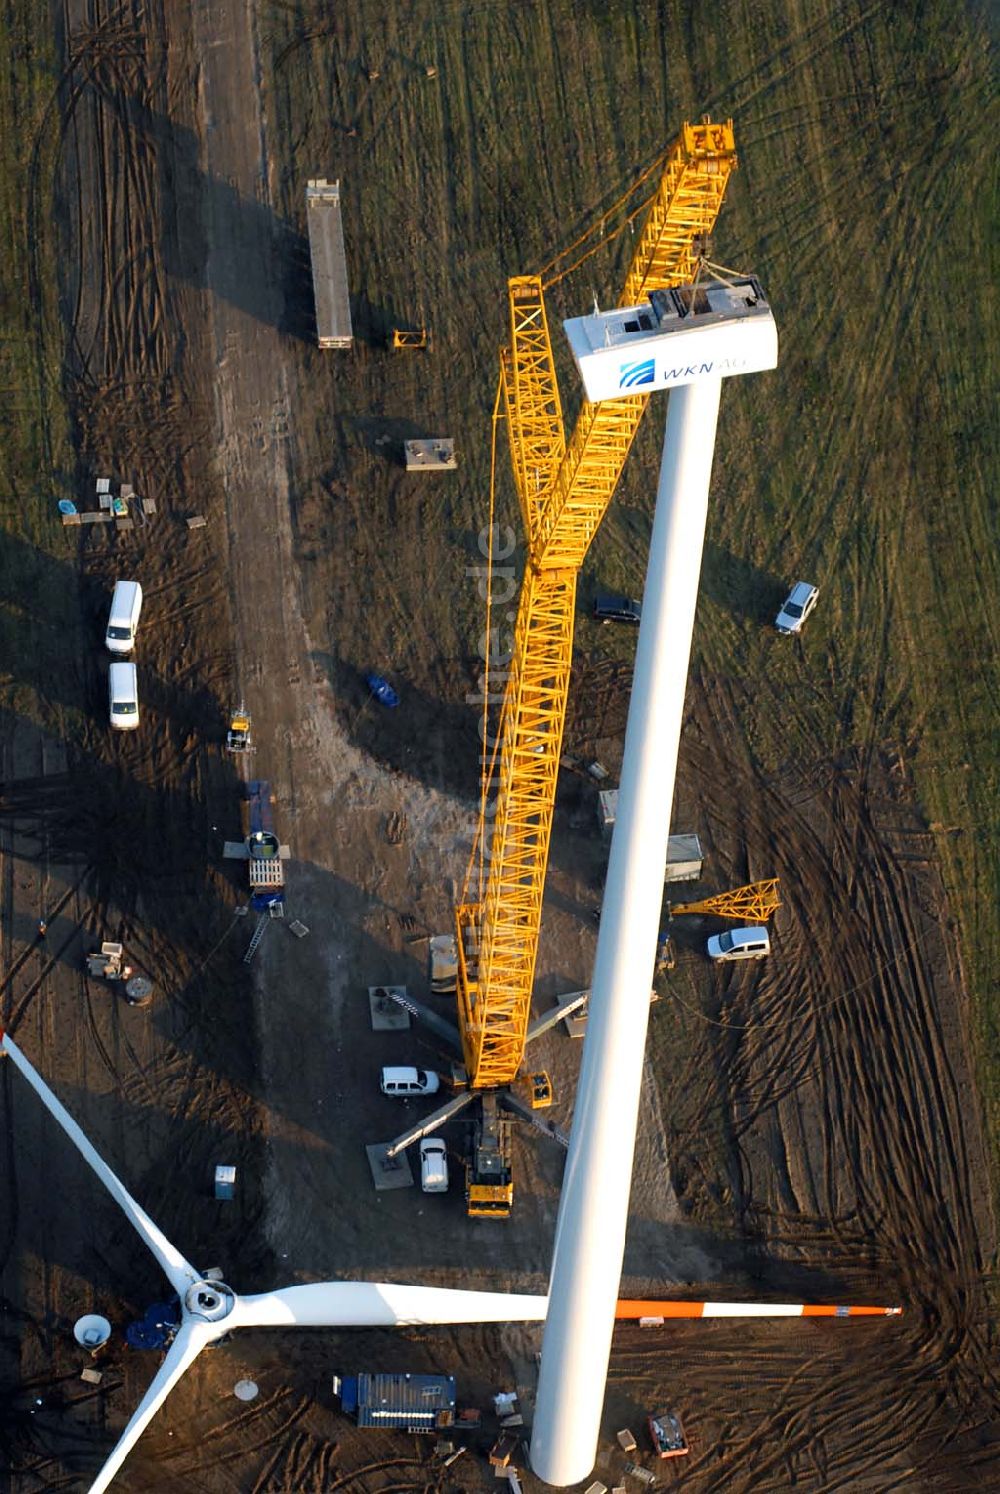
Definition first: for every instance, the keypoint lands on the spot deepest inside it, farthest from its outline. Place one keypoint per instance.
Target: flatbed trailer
(329, 264)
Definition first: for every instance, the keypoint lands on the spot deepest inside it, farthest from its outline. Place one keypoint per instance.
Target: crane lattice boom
(564, 491)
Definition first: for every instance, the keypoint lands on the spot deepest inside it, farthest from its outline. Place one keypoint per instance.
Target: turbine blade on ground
(179, 1272)
(380, 1304)
(192, 1337)
(631, 1308)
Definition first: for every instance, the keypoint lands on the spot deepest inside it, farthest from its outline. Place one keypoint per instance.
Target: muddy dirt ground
(810, 1129)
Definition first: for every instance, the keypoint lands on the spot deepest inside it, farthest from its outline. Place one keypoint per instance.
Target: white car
(404, 1083)
(433, 1165)
(796, 607)
(739, 944)
(123, 697)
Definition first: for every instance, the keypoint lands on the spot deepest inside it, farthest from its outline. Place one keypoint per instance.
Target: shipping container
(400, 1403)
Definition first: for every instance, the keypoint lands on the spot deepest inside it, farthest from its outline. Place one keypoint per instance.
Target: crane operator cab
(712, 329)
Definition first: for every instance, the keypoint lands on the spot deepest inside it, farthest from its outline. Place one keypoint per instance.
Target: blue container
(402, 1403)
(225, 1182)
(156, 1328)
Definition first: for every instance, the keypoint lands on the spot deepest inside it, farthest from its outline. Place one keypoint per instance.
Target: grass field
(867, 462)
(36, 457)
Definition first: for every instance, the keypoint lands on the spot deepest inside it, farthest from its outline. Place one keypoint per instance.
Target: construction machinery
(540, 1090)
(667, 1435)
(239, 737)
(489, 1182)
(489, 1188)
(262, 851)
(108, 963)
(563, 488)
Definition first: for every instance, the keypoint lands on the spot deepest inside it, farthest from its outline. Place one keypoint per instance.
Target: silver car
(739, 944)
(796, 607)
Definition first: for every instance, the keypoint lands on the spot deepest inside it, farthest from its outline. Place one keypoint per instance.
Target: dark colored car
(611, 608)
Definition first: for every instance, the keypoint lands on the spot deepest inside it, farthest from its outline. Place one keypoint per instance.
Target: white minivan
(123, 619)
(123, 697)
(404, 1083)
(739, 944)
(433, 1165)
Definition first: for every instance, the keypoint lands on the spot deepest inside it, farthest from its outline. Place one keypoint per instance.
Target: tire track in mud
(269, 1421)
(849, 1147)
(127, 320)
(107, 109)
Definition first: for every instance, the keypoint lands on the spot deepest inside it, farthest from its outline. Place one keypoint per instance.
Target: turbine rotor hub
(210, 1300)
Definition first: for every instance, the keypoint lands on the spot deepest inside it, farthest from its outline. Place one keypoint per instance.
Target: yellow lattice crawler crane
(563, 491)
(751, 904)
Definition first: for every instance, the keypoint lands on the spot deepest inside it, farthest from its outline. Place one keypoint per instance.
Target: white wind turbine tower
(210, 1309)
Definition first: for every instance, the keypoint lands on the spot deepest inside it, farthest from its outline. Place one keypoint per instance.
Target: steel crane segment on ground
(754, 903)
(563, 490)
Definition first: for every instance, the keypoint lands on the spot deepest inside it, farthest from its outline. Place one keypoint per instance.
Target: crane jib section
(564, 489)
(531, 399)
(498, 938)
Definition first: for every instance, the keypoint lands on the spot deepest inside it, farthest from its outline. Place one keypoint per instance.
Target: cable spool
(139, 991)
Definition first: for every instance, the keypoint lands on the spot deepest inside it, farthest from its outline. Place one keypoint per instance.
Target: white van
(123, 619)
(404, 1083)
(433, 1165)
(739, 944)
(123, 697)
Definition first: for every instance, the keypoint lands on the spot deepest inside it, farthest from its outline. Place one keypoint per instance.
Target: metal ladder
(258, 935)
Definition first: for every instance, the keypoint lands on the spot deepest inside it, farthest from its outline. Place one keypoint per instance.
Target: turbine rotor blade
(191, 1338)
(630, 1309)
(380, 1304)
(179, 1272)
